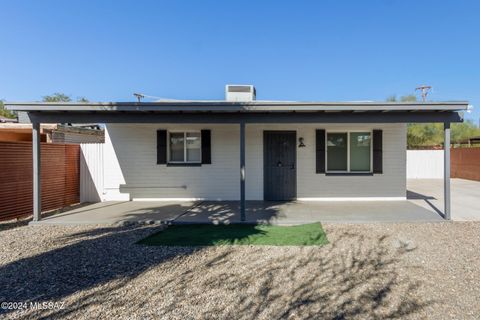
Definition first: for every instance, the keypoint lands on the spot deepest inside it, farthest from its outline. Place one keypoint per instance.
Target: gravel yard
(366, 271)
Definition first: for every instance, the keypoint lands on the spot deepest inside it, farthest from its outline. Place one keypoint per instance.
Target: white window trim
(184, 145)
(348, 151)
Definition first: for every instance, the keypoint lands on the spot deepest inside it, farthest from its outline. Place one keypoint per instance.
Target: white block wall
(425, 164)
(131, 172)
(91, 172)
(135, 148)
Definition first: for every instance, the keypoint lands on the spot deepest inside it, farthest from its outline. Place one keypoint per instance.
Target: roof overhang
(234, 112)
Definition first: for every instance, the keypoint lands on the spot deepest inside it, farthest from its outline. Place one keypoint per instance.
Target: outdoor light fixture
(300, 143)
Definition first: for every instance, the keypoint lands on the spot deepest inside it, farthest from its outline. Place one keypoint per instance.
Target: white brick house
(134, 174)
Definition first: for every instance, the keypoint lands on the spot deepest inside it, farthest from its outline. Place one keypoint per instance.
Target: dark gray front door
(280, 163)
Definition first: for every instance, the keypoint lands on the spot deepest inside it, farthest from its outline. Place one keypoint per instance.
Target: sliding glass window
(337, 151)
(185, 147)
(349, 151)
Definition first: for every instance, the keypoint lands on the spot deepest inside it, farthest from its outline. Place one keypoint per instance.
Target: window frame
(185, 161)
(348, 171)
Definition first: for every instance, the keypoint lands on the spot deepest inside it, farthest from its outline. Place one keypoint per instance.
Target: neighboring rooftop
(7, 120)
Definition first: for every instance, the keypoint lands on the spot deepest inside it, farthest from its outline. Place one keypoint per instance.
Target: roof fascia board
(303, 117)
(234, 108)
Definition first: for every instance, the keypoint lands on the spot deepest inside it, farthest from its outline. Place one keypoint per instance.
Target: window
(360, 149)
(337, 152)
(185, 147)
(349, 151)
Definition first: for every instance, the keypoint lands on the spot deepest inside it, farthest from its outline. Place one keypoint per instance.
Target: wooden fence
(60, 174)
(465, 163)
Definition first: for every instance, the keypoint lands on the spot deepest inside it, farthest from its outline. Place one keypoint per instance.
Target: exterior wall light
(300, 143)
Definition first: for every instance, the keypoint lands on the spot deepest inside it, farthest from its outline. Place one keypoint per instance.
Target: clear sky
(290, 50)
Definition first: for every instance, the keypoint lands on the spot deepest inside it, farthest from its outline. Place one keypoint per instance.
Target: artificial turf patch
(238, 234)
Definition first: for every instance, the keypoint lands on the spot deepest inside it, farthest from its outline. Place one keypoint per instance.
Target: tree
(57, 97)
(431, 134)
(407, 98)
(6, 113)
(463, 131)
(424, 134)
(82, 99)
(61, 97)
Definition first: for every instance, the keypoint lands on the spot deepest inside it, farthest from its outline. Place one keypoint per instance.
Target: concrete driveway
(465, 197)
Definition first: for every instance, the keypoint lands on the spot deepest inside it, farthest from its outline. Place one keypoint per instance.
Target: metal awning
(229, 106)
(248, 112)
(240, 113)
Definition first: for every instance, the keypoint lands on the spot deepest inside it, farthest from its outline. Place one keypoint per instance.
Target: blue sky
(290, 50)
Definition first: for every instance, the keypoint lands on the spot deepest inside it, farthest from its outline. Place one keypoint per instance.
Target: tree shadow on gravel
(82, 261)
(353, 277)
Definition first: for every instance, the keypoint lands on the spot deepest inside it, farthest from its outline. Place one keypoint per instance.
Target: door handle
(292, 166)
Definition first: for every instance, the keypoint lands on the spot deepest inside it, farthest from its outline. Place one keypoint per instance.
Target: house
(52, 133)
(243, 149)
(7, 120)
(473, 141)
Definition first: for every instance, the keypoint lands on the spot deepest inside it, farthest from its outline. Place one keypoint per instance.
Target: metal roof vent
(235, 92)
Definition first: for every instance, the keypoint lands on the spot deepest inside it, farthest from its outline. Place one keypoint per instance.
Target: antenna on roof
(143, 96)
(139, 96)
(425, 90)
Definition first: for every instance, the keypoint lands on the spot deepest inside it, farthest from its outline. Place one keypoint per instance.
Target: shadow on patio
(419, 197)
(270, 212)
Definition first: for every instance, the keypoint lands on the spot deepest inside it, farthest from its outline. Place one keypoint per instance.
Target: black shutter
(320, 150)
(377, 151)
(206, 147)
(161, 146)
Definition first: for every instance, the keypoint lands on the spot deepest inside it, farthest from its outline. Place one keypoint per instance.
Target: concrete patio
(114, 212)
(424, 204)
(216, 212)
(297, 212)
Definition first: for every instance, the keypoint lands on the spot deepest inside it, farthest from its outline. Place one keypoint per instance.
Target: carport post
(242, 171)
(37, 188)
(446, 170)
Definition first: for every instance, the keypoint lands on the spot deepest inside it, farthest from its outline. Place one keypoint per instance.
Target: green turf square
(238, 234)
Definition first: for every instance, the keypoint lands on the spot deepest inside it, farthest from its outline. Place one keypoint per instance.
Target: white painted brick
(130, 158)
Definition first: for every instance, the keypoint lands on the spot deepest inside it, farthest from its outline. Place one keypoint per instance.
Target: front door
(279, 165)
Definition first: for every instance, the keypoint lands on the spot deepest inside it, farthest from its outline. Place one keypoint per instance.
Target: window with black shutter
(184, 148)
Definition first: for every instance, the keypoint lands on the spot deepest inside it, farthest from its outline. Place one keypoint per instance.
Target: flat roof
(230, 106)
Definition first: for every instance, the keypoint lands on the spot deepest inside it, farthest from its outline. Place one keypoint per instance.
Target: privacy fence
(73, 173)
(424, 164)
(466, 163)
(428, 164)
(60, 174)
